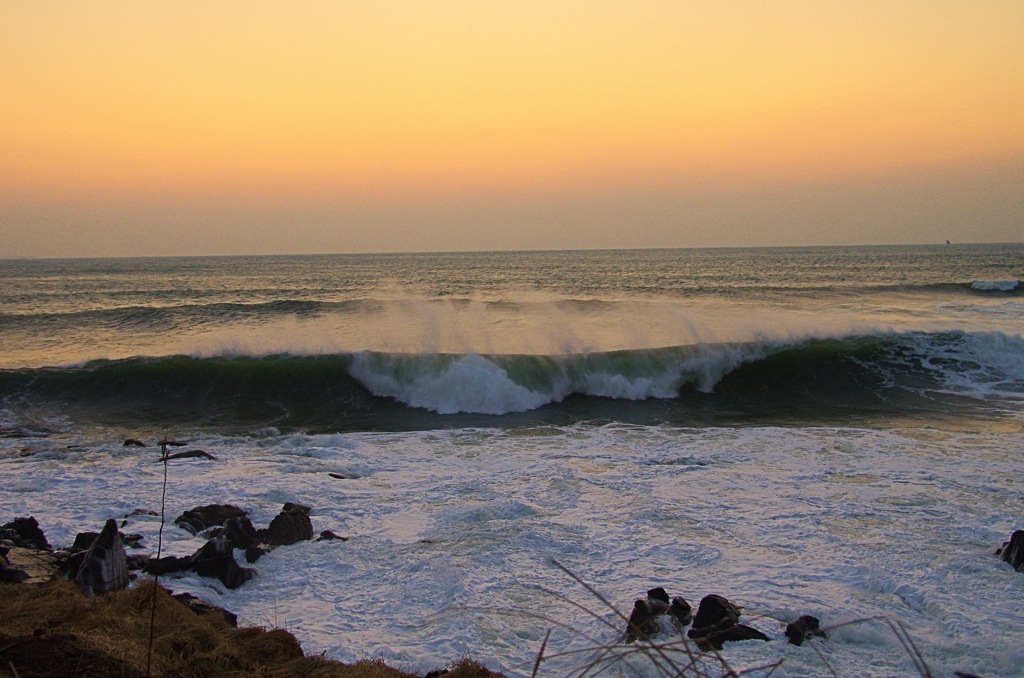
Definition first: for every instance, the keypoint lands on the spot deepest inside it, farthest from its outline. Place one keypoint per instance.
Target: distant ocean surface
(827, 431)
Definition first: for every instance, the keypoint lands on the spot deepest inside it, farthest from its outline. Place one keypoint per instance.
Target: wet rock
(643, 619)
(191, 454)
(217, 559)
(240, 532)
(804, 628)
(736, 632)
(713, 613)
(134, 442)
(327, 535)
(288, 527)
(25, 532)
(201, 607)
(1013, 551)
(717, 622)
(301, 508)
(105, 566)
(256, 551)
(168, 565)
(681, 613)
(658, 594)
(204, 517)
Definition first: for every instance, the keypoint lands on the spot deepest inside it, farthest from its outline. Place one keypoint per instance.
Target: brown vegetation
(56, 630)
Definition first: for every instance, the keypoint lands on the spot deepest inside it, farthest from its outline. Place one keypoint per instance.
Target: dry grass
(55, 630)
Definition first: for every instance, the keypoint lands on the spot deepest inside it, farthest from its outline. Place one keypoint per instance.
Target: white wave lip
(995, 285)
(474, 384)
(469, 384)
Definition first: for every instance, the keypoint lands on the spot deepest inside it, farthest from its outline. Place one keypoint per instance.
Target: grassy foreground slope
(56, 630)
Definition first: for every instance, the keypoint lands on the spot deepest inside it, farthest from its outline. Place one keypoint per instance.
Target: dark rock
(641, 623)
(643, 620)
(240, 532)
(1013, 551)
(137, 561)
(714, 641)
(327, 535)
(168, 565)
(204, 517)
(288, 527)
(132, 540)
(83, 540)
(289, 507)
(338, 476)
(804, 628)
(217, 559)
(256, 551)
(717, 622)
(191, 454)
(25, 532)
(134, 442)
(681, 613)
(658, 594)
(105, 567)
(201, 607)
(713, 614)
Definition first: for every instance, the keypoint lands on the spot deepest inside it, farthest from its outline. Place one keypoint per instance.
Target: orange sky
(347, 120)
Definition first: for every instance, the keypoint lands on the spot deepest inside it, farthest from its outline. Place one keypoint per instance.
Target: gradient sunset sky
(160, 128)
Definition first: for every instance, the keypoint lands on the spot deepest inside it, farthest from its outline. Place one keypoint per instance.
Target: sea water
(520, 442)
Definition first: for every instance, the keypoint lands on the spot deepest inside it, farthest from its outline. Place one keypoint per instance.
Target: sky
(189, 128)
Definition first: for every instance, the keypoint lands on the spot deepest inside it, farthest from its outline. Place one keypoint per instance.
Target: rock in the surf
(204, 517)
(643, 619)
(191, 454)
(713, 613)
(290, 526)
(1013, 551)
(717, 622)
(804, 628)
(327, 535)
(105, 566)
(240, 532)
(169, 565)
(217, 559)
(681, 613)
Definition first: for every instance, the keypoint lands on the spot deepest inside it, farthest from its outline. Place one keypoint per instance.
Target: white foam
(995, 285)
(452, 533)
(470, 383)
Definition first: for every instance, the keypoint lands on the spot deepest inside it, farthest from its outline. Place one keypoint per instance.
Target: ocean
(833, 431)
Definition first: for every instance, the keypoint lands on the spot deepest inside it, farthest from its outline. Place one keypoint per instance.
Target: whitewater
(827, 431)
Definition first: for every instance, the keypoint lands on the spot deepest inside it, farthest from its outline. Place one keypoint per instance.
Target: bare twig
(159, 549)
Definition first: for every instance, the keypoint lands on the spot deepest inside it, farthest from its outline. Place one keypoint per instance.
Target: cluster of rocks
(717, 621)
(99, 562)
(227, 528)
